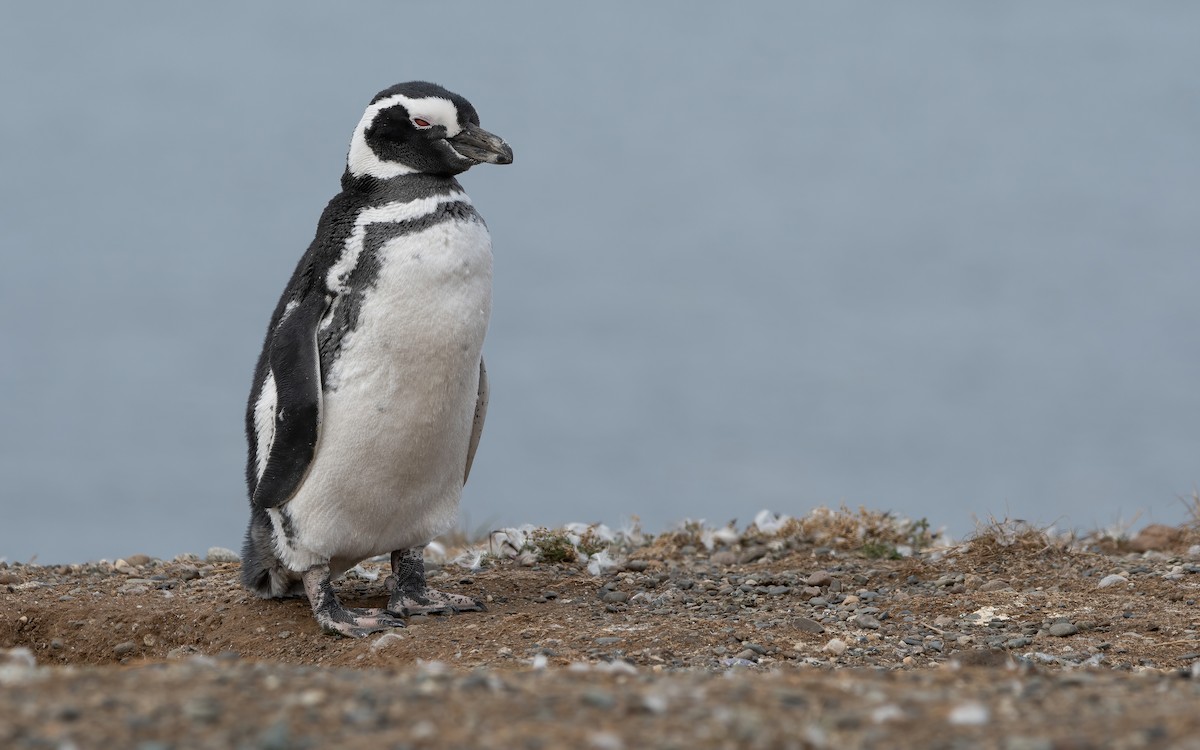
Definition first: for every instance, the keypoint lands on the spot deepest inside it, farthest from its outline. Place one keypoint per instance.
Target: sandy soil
(813, 635)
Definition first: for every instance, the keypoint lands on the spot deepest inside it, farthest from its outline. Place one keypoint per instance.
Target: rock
(605, 741)
(221, 555)
(202, 709)
(17, 657)
(808, 626)
(1063, 629)
(125, 648)
(182, 652)
(969, 714)
(820, 578)
(983, 658)
(752, 554)
(276, 737)
(6, 577)
(1111, 580)
(189, 573)
(598, 698)
(996, 585)
(866, 621)
(1156, 536)
(608, 640)
(138, 560)
(778, 590)
(385, 640)
(637, 566)
(836, 646)
(724, 558)
(615, 597)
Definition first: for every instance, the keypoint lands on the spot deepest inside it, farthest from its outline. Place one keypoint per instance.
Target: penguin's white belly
(398, 405)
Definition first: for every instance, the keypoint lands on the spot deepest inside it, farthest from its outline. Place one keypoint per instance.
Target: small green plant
(876, 550)
(552, 546)
(590, 544)
(918, 535)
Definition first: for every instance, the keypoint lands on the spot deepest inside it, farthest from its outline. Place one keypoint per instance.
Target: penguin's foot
(432, 602)
(410, 594)
(333, 617)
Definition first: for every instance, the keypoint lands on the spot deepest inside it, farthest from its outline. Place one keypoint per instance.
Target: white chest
(399, 401)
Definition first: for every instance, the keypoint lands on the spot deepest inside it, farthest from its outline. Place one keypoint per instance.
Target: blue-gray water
(939, 258)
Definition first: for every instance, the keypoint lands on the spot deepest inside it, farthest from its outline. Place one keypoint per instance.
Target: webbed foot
(410, 594)
(334, 618)
(431, 601)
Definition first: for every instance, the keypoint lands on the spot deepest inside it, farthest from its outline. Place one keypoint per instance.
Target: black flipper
(296, 367)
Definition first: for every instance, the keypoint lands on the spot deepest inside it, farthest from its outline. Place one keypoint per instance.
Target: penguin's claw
(357, 623)
(432, 602)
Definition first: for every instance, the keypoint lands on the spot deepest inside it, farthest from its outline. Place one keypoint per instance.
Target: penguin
(370, 393)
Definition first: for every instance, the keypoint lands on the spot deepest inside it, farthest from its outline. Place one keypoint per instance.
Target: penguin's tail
(262, 571)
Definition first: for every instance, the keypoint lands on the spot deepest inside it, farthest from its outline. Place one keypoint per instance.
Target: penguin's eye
(421, 123)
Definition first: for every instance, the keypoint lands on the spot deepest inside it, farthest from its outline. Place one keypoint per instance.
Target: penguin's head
(420, 127)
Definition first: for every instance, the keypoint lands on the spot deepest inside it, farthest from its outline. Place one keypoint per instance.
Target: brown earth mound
(802, 637)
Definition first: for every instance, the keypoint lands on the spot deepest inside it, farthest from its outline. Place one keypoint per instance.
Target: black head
(420, 127)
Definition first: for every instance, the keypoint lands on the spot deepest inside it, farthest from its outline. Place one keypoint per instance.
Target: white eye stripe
(362, 161)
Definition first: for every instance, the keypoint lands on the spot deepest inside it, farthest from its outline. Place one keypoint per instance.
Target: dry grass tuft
(1008, 538)
(1191, 506)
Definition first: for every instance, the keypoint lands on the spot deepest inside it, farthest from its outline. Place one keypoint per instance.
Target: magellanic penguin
(370, 392)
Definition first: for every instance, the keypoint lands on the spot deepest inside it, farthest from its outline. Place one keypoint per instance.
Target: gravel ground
(812, 635)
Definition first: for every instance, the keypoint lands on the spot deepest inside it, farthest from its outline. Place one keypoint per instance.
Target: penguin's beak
(478, 145)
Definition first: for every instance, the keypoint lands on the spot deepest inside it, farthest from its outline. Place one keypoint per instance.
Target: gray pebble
(724, 558)
(1028, 743)
(608, 640)
(748, 655)
(599, 699)
(615, 597)
(125, 648)
(866, 621)
(201, 709)
(1063, 629)
(189, 573)
(276, 737)
(808, 626)
(637, 566)
(820, 578)
(996, 585)
(778, 590)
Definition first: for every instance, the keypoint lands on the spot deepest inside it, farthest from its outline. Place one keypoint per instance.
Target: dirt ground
(821, 632)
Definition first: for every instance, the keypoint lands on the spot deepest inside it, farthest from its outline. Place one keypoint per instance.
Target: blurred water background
(934, 257)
